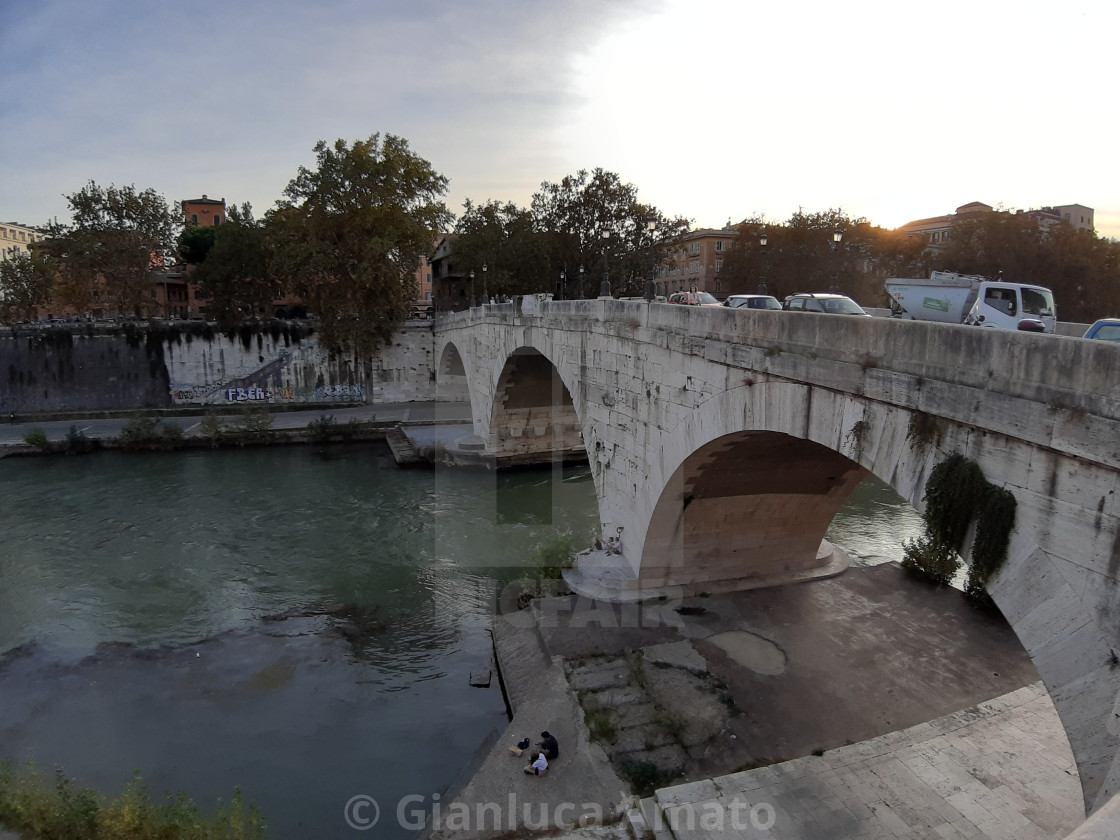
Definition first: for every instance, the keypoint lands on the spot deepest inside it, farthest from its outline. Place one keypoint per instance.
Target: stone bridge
(723, 441)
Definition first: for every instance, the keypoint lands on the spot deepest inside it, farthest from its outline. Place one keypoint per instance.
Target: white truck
(970, 299)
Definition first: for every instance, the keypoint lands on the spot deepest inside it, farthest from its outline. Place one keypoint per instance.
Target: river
(298, 623)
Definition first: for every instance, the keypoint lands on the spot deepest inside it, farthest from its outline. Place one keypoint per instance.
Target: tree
(107, 254)
(502, 238)
(352, 232)
(801, 255)
(1082, 270)
(26, 280)
(590, 218)
(195, 243)
(236, 274)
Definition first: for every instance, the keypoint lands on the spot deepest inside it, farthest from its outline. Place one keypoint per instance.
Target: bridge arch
(654, 386)
(533, 416)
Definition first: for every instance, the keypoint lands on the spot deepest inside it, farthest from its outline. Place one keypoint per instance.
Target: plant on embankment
(41, 807)
(956, 494)
(149, 433)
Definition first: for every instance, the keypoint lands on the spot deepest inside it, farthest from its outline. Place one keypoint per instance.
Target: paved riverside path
(1000, 769)
(104, 425)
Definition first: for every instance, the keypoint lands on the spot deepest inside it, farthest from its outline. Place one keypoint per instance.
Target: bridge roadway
(722, 442)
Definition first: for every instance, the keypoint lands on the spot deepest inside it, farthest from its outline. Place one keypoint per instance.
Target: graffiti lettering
(251, 394)
(340, 392)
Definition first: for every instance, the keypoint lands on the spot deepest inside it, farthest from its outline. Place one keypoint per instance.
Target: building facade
(204, 212)
(696, 261)
(16, 238)
(937, 230)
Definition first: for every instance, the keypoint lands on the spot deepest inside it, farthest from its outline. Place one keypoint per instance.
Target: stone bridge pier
(722, 442)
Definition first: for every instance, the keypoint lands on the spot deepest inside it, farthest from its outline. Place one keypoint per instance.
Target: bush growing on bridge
(956, 494)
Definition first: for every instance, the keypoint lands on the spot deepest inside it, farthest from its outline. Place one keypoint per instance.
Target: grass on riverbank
(39, 806)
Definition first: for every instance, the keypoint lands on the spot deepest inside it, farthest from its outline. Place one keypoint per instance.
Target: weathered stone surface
(721, 443)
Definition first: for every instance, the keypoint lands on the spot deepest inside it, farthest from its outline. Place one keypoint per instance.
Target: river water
(302, 624)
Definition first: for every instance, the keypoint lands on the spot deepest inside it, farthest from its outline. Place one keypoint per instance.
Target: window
(217, 220)
(719, 247)
(194, 218)
(719, 265)
(1002, 300)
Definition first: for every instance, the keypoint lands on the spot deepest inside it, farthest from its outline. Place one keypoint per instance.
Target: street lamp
(836, 237)
(762, 246)
(581, 282)
(563, 285)
(473, 303)
(485, 294)
(651, 224)
(605, 287)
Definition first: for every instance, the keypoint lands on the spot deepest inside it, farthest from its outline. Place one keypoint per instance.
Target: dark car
(752, 302)
(828, 304)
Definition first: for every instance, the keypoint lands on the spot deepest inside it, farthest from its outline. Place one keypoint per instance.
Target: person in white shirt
(538, 767)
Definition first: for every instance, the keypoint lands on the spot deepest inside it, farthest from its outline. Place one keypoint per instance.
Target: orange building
(204, 212)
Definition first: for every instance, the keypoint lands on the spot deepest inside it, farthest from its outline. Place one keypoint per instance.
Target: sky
(715, 110)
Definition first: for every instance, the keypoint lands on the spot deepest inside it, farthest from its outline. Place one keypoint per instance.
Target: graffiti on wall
(181, 393)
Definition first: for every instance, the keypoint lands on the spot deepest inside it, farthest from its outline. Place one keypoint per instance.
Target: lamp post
(651, 225)
(836, 237)
(485, 294)
(563, 285)
(581, 282)
(473, 303)
(605, 287)
(762, 247)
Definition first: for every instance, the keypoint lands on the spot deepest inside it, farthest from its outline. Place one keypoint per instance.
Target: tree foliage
(195, 243)
(595, 218)
(106, 255)
(1081, 269)
(502, 238)
(591, 220)
(236, 274)
(351, 233)
(26, 282)
(801, 255)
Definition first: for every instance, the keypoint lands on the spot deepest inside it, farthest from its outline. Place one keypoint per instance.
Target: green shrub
(41, 807)
(77, 443)
(149, 433)
(322, 428)
(211, 428)
(255, 424)
(38, 439)
(926, 555)
(601, 725)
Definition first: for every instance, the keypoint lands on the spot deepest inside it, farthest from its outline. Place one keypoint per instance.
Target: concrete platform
(1001, 770)
(834, 666)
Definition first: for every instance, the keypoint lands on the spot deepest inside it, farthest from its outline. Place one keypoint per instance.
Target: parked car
(704, 298)
(752, 302)
(1106, 329)
(829, 304)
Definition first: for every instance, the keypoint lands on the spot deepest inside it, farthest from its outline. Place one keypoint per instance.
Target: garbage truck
(954, 298)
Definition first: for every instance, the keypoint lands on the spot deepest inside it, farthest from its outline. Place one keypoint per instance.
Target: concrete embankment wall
(75, 371)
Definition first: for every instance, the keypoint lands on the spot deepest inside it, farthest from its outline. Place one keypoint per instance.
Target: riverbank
(668, 693)
(324, 423)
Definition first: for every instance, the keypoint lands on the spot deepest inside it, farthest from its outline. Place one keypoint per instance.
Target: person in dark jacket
(548, 746)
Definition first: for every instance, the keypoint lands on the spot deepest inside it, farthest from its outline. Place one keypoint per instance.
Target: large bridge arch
(653, 385)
